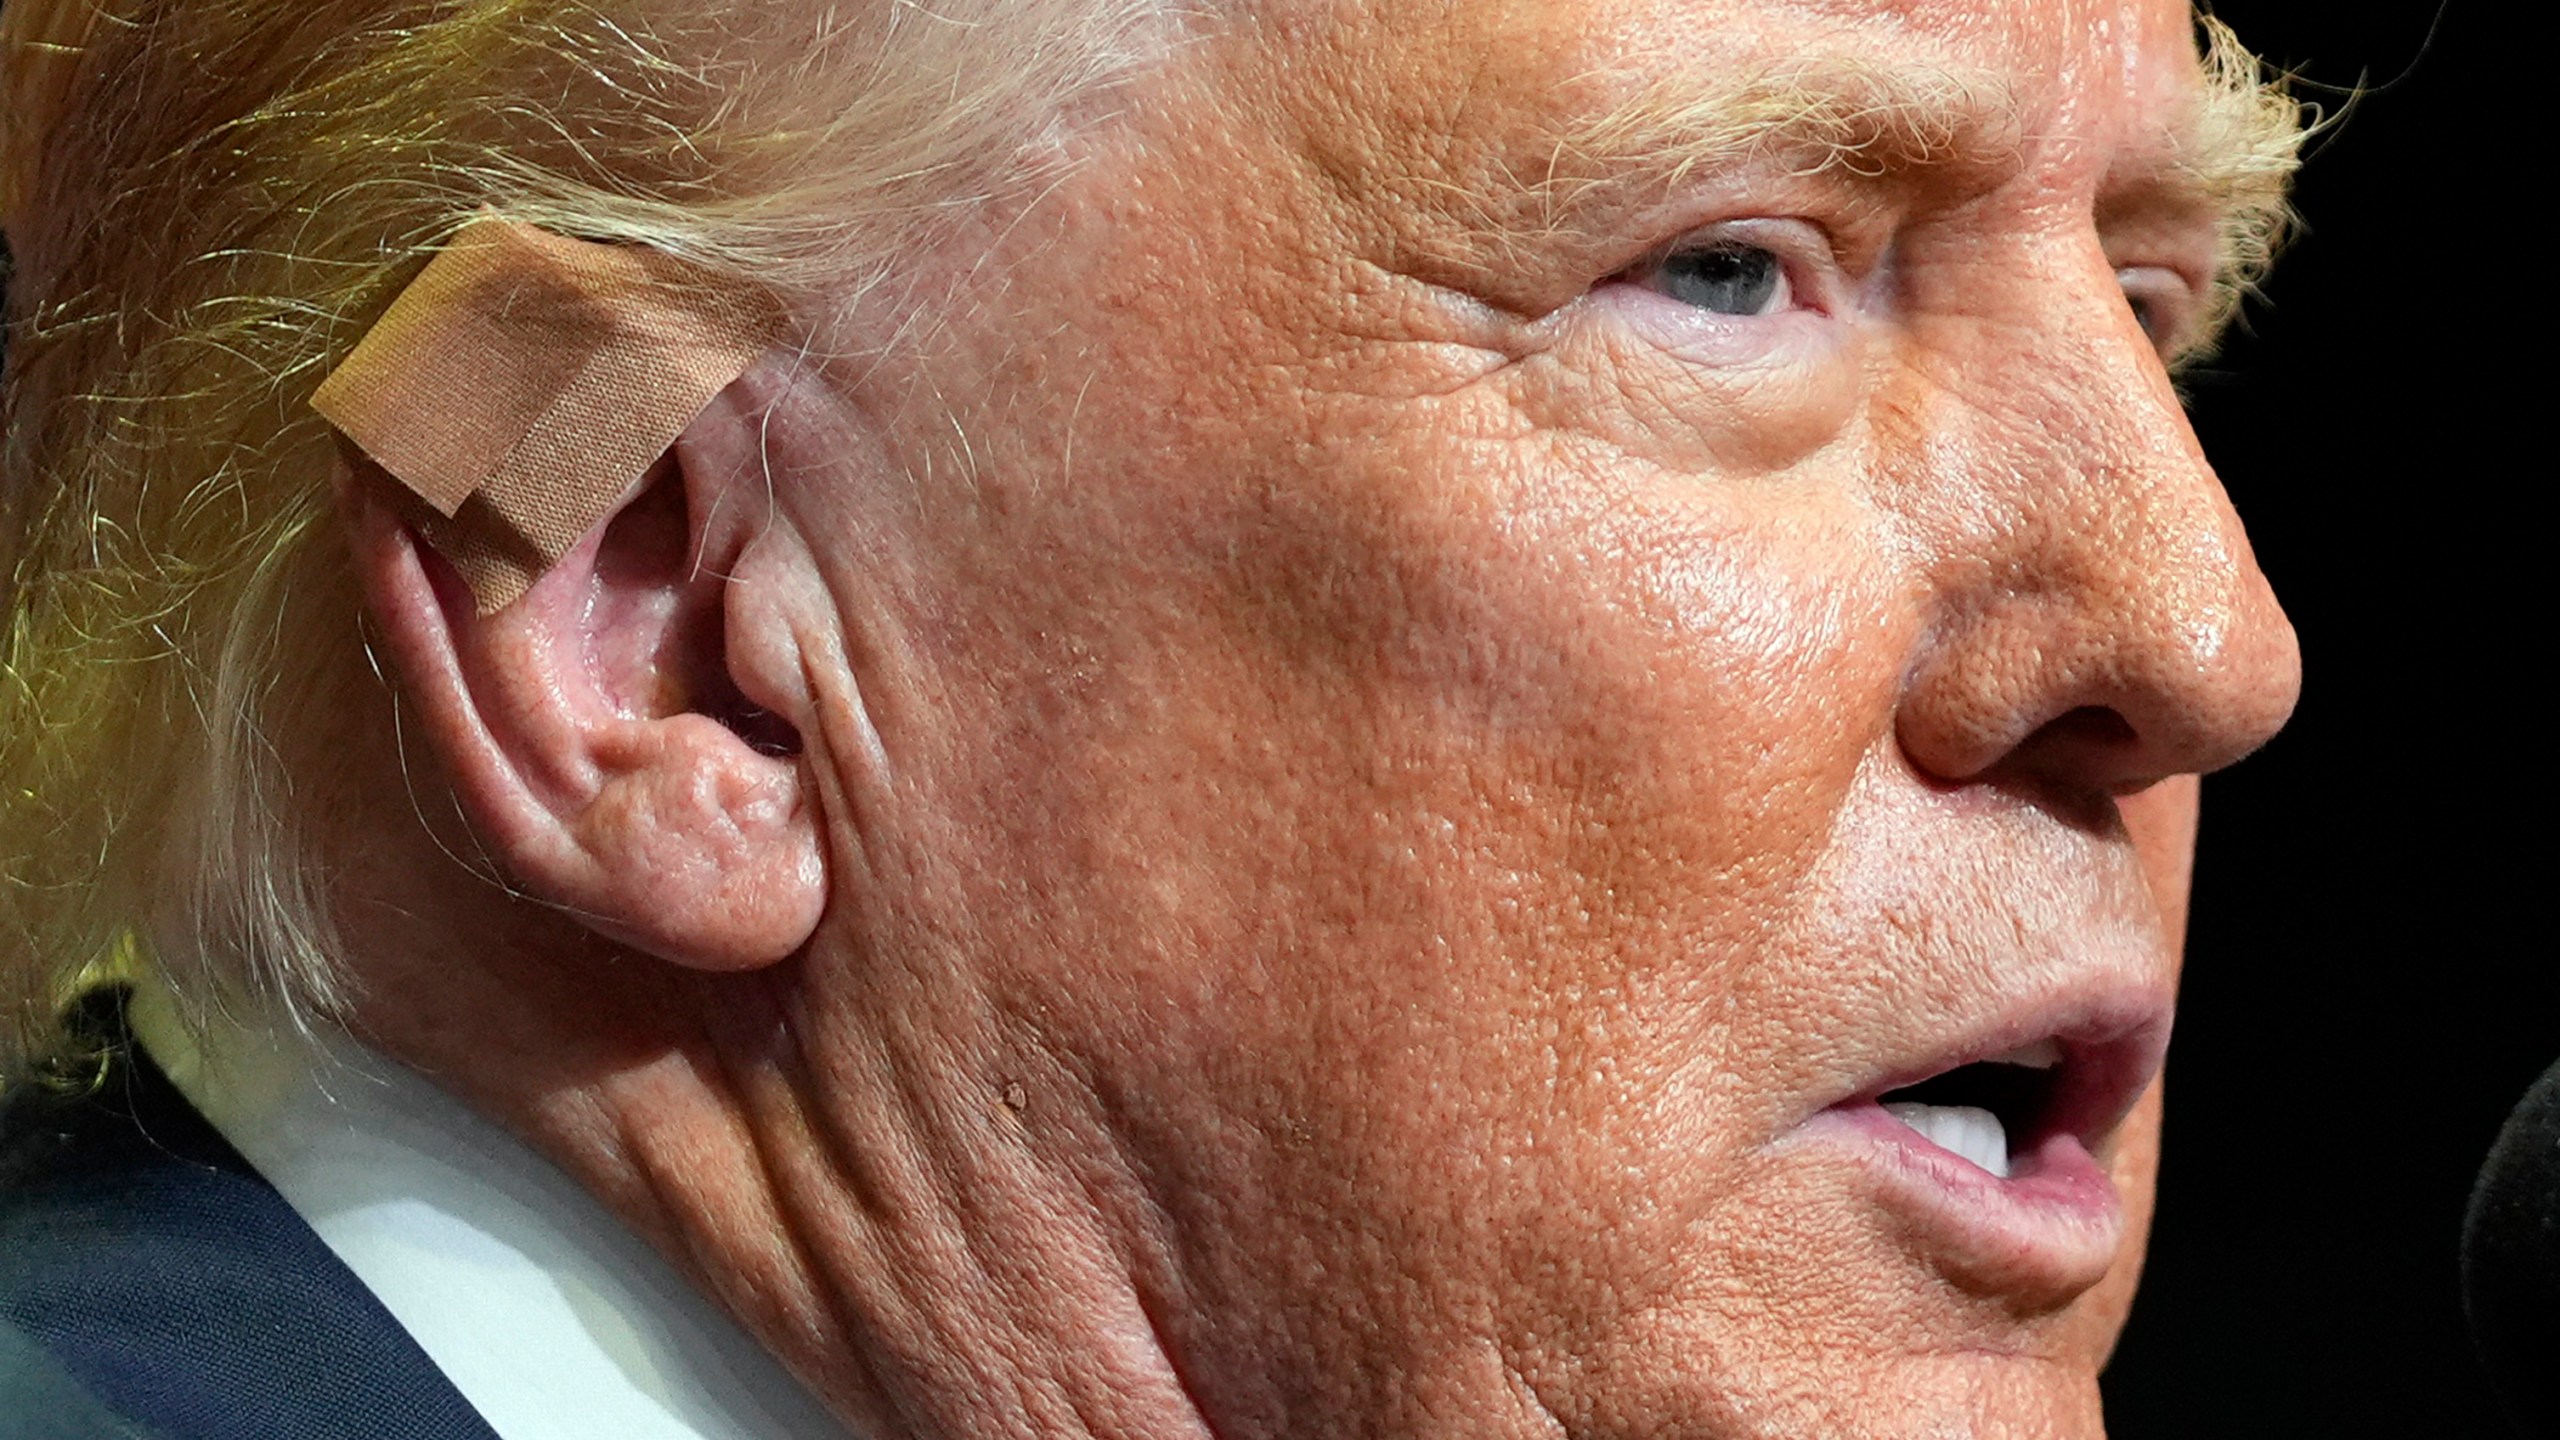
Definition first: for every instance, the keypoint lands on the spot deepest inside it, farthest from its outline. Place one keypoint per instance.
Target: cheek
(1613, 702)
(2098, 1318)
(1453, 765)
(2162, 822)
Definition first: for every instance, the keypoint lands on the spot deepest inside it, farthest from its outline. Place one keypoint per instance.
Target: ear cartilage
(525, 381)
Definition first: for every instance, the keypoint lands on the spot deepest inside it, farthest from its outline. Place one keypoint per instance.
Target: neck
(932, 1259)
(543, 1312)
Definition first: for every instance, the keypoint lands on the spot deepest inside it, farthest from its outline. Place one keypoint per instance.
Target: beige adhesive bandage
(524, 381)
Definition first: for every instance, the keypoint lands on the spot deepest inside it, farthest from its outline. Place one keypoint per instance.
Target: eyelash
(1807, 267)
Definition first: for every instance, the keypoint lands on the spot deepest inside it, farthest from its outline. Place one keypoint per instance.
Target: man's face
(1495, 619)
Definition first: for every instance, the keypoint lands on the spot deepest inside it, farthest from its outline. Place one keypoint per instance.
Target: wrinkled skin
(1371, 770)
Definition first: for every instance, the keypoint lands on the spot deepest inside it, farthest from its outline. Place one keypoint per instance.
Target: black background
(2365, 994)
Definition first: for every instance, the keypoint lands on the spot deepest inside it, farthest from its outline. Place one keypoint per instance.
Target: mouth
(2000, 1111)
(1972, 1110)
(1994, 1146)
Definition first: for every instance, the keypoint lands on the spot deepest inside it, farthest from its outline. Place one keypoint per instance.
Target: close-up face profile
(1487, 724)
(1541, 695)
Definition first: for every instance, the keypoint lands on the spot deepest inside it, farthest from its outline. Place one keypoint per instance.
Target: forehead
(1399, 85)
(1403, 44)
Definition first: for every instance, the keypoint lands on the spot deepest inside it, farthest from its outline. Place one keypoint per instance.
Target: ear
(606, 743)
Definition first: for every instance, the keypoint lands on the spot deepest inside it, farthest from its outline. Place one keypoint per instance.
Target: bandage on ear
(525, 382)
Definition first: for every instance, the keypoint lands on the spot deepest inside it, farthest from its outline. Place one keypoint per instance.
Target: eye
(1752, 291)
(1729, 277)
(2159, 300)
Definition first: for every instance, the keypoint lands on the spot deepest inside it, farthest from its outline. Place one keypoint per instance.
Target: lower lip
(2053, 1226)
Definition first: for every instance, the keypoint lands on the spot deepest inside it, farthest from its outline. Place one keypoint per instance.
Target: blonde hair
(209, 201)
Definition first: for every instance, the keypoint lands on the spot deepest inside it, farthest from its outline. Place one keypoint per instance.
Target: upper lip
(2000, 932)
(2112, 1045)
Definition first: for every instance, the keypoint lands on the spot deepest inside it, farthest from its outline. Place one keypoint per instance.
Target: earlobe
(594, 731)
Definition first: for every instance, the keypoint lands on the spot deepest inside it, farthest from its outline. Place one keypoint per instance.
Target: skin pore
(1369, 758)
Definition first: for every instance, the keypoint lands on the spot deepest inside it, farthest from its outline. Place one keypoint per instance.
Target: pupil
(1729, 279)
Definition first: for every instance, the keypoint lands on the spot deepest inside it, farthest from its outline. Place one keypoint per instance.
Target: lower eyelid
(1707, 337)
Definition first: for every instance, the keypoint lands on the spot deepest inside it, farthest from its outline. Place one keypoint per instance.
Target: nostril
(2092, 725)
(2085, 756)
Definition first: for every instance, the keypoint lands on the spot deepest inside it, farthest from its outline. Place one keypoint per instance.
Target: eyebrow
(1576, 177)
(2239, 144)
(2243, 141)
(1814, 114)
(2230, 154)
(2237, 152)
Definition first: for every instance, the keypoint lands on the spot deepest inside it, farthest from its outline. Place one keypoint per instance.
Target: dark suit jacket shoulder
(153, 1285)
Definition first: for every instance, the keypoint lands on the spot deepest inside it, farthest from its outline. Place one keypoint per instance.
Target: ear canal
(653, 557)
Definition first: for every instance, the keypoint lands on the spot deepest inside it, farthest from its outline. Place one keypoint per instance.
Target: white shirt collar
(549, 1316)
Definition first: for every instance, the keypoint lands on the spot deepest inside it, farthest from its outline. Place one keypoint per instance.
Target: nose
(2097, 619)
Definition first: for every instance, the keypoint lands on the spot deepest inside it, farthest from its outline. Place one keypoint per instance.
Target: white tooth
(2042, 1055)
(1965, 1130)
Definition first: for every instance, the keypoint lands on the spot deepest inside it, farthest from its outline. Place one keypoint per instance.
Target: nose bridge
(2098, 609)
